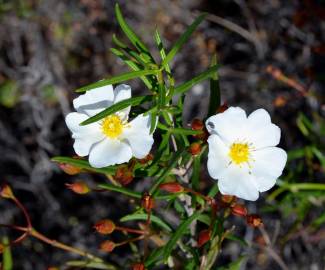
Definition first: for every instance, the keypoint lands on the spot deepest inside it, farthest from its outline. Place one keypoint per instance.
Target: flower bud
(123, 175)
(6, 192)
(239, 210)
(138, 266)
(53, 268)
(197, 124)
(254, 220)
(107, 246)
(78, 187)
(194, 149)
(104, 226)
(69, 169)
(172, 187)
(228, 199)
(204, 237)
(2, 248)
(146, 159)
(147, 202)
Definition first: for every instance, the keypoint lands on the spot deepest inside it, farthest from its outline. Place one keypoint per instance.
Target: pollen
(112, 126)
(239, 153)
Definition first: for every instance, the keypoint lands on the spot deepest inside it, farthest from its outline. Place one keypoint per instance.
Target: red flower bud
(146, 159)
(204, 237)
(172, 187)
(239, 210)
(78, 187)
(123, 175)
(69, 169)
(138, 266)
(147, 202)
(194, 149)
(254, 220)
(104, 226)
(107, 246)
(6, 192)
(197, 124)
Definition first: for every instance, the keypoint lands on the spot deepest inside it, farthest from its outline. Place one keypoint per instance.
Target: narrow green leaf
(178, 234)
(143, 216)
(135, 40)
(214, 102)
(184, 131)
(213, 191)
(201, 77)
(118, 79)
(154, 256)
(166, 171)
(117, 107)
(122, 190)
(184, 37)
(92, 265)
(6, 256)
(131, 64)
(238, 239)
(84, 164)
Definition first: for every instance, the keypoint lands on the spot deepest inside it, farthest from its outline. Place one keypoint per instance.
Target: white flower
(242, 153)
(112, 140)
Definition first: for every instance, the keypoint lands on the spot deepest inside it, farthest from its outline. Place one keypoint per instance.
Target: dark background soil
(49, 48)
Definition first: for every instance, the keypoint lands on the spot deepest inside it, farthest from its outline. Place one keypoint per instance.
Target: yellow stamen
(112, 126)
(239, 153)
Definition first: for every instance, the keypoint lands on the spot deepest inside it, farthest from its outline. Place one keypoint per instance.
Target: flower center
(112, 126)
(239, 153)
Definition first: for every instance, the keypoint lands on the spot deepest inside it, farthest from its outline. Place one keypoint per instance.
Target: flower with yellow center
(242, 153)
(112, 140)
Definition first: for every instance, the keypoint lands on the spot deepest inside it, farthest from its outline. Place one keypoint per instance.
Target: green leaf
(122, 190)
(166, 171)
(201, 77)
(184, 131)
(90, 264)
(204, 218)
(131, 64)
(6, 256)
(178, 234)
(84, 164)
(184, 37)
(154, 256)
(117, 107)
(238, 239)
(213, 191)
(118, 79)
(135, 40)
(214, 102)
(143, 216)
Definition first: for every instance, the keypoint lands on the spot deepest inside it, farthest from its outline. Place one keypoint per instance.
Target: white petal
(261, 132)
(109, 152)
(237, 181)
(268, 166)
(121, 92)
(229, 125)
(94, 101)
(85, 136)
(218, 159)
(137, 135)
